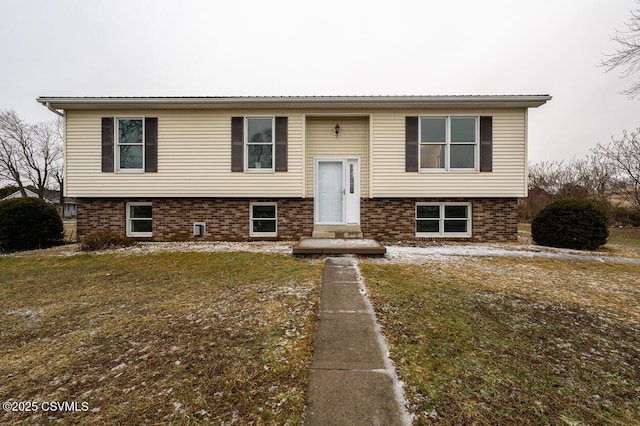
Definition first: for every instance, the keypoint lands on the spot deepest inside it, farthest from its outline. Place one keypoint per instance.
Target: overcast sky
(224, 48)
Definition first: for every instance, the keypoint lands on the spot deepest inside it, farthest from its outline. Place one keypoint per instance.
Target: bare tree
(42, 155)
(29, 154)
(551, 176)
(624, 157)
(595, 174)
(627, 54)
(13, 133)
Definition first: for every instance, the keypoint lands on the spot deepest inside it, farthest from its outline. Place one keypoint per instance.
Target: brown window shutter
(281, 139)
(411, 144)
(486, 144)
(107, 144)
(237, 144)
(150, 144)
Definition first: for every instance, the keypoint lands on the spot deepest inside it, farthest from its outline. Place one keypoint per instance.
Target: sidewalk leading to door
(352, 382)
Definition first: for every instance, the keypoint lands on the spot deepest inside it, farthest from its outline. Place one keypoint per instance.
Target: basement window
(139, 220)
(263, 220)
(443, 220)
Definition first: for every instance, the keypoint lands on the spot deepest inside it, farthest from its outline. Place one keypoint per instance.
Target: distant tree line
(608, 175)
(30, 154)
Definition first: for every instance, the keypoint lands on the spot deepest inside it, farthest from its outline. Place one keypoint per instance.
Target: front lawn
(513, 340)
(171, 338)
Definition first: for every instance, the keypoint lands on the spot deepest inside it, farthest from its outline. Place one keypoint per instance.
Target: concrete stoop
(333, 246)
(350, 382)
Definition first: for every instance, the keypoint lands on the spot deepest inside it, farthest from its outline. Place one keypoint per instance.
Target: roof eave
(300, 102)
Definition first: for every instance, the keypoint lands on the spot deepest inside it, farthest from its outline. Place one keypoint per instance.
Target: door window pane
(352, 179)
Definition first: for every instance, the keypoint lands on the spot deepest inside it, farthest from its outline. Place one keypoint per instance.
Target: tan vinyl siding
(352, 142)
(194, 155)
(194, 158)
(508, 178)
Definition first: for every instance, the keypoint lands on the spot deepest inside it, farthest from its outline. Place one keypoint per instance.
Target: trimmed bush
(29, 223)
(572, 223)
(101, 240)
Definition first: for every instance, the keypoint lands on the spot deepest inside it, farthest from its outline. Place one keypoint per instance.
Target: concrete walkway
(352, 381)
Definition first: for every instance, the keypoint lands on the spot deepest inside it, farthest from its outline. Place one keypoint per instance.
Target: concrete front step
(326, 246)
(337, 231)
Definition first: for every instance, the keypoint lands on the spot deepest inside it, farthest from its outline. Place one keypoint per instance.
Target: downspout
(53, 110)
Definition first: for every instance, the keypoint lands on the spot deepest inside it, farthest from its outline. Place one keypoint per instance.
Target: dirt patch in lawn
(513, 341)
(165, 338)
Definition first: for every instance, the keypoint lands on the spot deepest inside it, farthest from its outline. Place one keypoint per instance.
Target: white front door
(337, 191)
(330, 192)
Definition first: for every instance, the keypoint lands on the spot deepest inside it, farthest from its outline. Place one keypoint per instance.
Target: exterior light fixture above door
(336, 130)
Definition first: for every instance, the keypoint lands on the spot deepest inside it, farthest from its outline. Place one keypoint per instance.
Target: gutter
(298, 102)
(53, 110)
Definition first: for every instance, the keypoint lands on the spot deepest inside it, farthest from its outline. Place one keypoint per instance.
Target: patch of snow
(401, 254)
(119, 367)
(30, 314)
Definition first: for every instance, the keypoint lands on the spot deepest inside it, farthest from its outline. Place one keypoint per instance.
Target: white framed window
(443, 220)
(263, 220)
(139, 220)
(449, 143)
(258, 138)
(129, 144)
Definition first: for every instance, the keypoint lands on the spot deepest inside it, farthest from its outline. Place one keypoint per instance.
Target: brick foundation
(393, 219)
(227, 219)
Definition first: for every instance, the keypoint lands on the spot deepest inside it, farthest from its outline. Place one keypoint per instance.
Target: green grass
(175, 338)
(513, 341)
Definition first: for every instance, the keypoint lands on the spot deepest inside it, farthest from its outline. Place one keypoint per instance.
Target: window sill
(265, 234)
(438, 235)
(128, 171)
(450, 171)
(140, 235)
(259, 171)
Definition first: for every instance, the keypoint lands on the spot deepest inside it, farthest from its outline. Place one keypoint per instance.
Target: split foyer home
(243, 168)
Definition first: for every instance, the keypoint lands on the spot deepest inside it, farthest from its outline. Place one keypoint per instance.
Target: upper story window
(259, 146)
(448, 143)
(130, 144)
